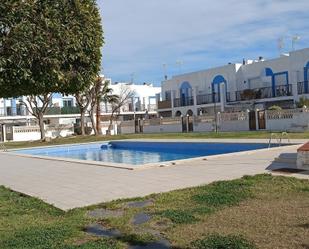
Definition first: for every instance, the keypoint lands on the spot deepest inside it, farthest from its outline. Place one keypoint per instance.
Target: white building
(63, 110)
(143, 102)
(253, 84)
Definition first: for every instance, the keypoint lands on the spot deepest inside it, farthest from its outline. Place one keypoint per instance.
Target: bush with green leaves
(275, 108)
(303, 102)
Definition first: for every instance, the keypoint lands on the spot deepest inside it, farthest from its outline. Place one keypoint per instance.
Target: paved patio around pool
(69, 185)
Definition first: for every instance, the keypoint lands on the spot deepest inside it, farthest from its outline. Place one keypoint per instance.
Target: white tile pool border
(127, 166)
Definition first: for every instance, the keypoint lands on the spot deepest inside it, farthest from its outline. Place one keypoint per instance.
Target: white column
(172, 98)
(222, 96)
(4, 107)
(4, 133)
(294, 79)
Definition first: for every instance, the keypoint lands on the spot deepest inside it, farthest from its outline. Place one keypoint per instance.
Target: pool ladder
(279, 139)
(2, 147)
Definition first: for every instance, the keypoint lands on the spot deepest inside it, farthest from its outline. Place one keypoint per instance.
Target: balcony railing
(22, 111)
(207, 99)
(283, 90)
(183, 101)
(303, 87)
(165, 104)
(264, 93)
(228, 97)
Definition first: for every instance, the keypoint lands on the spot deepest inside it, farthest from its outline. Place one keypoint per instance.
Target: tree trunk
(82, 122)
(91, 114)
(110, 126)
(98, 118)
(41, 124)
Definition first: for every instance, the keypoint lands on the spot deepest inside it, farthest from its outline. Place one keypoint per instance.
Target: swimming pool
(139, 153)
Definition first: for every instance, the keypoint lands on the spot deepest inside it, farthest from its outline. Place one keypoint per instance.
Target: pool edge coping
(127, 166)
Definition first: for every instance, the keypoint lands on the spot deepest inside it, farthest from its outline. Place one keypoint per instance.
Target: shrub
(275, 108)
(78, 130)
(303, 102)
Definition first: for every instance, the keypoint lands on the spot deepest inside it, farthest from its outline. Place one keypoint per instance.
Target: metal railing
(21, 111)
(207, 99)
(2, 147)
(264, 93)
(283, 90)
(303, 87)
(165, 104)
(183, 101)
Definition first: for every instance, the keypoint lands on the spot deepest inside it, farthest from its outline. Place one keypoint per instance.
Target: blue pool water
(137, 153)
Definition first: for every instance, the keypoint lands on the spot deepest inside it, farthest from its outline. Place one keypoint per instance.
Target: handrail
(279, 138)
(282, 135)
(2, 147)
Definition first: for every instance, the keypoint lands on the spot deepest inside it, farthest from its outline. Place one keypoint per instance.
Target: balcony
(264, 93)
(207, 99)
(166, 104)
(301, 87)
(8, 112)
(183, 101)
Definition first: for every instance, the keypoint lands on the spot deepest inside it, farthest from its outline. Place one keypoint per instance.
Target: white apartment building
(251, 85)
(143, 102)
(63, 110)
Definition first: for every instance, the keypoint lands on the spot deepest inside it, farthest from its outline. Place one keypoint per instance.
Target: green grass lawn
(252, 212)
(205, 135)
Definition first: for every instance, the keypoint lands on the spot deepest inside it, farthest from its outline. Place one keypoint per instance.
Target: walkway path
(70, 185)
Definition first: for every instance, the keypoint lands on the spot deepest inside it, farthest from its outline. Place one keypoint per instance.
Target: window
(168, 95)
(67, 103)
(281, 79)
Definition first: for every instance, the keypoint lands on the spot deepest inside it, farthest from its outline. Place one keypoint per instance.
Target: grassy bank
(253, 212)
(221, 135)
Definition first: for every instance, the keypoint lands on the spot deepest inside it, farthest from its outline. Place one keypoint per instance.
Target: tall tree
(124, 97)
(83, 101)
(100, 92)
(48, 46)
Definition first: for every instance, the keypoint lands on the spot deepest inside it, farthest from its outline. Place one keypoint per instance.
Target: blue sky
(142, 35)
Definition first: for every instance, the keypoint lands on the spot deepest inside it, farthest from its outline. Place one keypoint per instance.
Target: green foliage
(303, 102)
(224, 193)
(275, 108)
(28, 223)
(179, 216)
(78, 130)
(223, 242)
(23, 205)
(98, 244)
(48, 46)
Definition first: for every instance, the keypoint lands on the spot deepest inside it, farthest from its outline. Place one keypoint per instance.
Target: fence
(274, 120)
(282, 120)
(288, 120)
(31, 133)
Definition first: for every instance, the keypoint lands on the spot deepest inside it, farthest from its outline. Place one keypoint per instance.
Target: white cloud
(140, 35)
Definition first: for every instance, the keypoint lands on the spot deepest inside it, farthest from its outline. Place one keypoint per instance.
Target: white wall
(203, 127)
(239, 125)
(299, 122)
(168, 128)
(28, 134)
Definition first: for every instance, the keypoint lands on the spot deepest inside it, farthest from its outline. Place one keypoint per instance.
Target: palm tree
(100, 92)
(106, 96)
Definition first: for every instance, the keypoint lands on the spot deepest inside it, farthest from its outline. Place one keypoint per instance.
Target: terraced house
(250, 85)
